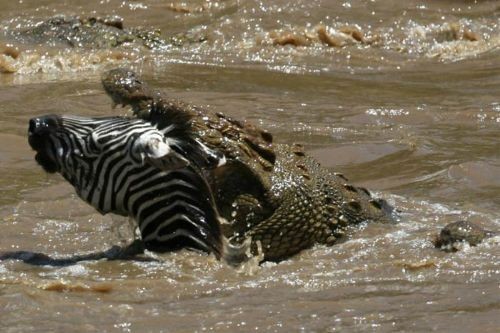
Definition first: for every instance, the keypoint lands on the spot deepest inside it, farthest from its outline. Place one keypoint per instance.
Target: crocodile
(89, 33)
(458, 232)
(94, 32)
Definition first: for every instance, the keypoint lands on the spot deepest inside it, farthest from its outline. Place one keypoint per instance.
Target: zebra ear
(158, 153)
(199, 154)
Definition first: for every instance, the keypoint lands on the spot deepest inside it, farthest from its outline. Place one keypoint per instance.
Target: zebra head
(86, 150)
(131, 167)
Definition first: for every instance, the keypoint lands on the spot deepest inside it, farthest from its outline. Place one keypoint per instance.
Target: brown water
(411, 111)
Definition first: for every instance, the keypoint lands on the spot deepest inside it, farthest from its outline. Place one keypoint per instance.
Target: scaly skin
(272, 194)
(90, 33)
(461, 231)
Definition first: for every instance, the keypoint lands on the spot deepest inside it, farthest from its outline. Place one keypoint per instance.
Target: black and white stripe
(106, 160)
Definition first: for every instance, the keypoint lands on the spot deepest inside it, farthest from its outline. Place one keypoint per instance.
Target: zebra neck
(175, 210)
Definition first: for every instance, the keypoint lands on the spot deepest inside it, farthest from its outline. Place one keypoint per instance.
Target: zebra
(153, 172)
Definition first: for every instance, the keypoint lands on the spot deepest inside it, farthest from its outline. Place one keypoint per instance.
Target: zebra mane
(172, 115)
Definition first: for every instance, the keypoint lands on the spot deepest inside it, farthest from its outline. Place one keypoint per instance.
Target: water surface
(411, 110)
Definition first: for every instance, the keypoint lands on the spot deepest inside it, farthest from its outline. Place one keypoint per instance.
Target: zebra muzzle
(39, 130)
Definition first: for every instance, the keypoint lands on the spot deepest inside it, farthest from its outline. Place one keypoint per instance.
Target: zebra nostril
(34, 125)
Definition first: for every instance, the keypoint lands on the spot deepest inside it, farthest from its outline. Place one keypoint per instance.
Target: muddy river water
(403, 97)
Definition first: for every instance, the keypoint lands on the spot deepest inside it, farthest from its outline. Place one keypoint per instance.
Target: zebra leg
(296, 225)
(129, 252)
